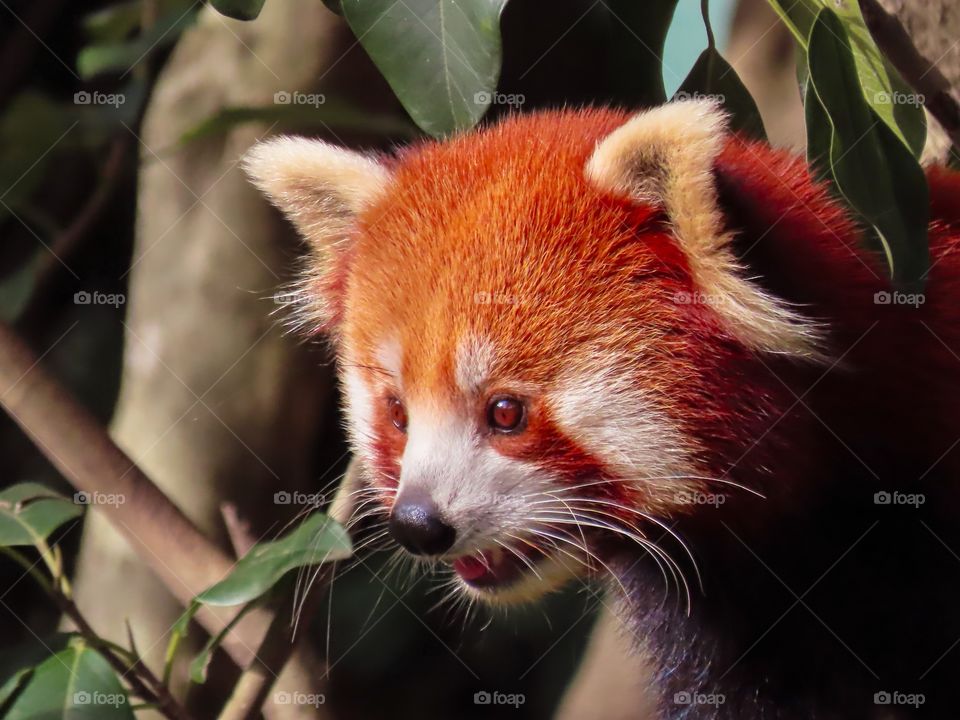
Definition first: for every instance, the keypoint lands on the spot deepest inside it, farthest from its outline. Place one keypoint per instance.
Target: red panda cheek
(544, 444)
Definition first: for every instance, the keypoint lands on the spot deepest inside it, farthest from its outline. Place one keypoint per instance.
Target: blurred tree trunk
(216, 403)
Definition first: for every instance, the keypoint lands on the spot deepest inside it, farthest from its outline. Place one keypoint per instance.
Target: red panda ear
(665, 157)
(321, 188)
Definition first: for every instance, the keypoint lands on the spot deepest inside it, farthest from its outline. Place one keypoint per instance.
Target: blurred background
(142, 267)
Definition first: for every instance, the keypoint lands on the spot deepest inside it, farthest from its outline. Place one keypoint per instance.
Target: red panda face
(518, 372)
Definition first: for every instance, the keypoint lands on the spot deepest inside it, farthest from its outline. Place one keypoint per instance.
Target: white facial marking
(476, 489)
(475, 358)
(605, 411)
(359, 409)
(390, 357)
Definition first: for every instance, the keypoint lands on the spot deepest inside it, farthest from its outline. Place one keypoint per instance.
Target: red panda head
(516, 318)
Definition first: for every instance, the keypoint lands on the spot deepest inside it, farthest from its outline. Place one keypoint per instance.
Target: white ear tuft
(665, 157)
(320, 187)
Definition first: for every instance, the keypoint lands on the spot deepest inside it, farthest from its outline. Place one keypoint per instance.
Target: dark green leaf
(441, 57)
(122, 57)
(880, 85)
(713, 77)
(115, 22)
(17, 287)
(873, 170)
(29, 512)
(32, 131)
(17, 663)
(819, 133)
(638, 33)
(239, 9)
(318, 539)
(334, 6)
(74, 684)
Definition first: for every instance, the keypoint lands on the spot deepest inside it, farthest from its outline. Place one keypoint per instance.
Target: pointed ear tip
(263, 158)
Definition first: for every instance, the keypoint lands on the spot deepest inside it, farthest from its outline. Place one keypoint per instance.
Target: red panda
(585, 342)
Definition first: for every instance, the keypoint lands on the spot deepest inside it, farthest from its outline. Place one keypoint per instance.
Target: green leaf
(17, 663)
(17, 287)
(198, 668)
(638, 34)
(177, 633)
(318, 539)
(238, 9)
(122, 57)
(441, 57)
(334, 6)
(873, 170)
(712, 76)
(32, 132)
(74, 684)
(30, 512)
(115, 22)
(880, 85)
(304, 116)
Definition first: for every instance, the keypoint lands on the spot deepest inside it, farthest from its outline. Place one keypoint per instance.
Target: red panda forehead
(498, 234)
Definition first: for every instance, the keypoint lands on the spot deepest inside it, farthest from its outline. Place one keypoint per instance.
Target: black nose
(416, 524)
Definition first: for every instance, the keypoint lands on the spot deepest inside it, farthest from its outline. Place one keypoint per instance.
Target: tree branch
(164, 538)
(921, 74)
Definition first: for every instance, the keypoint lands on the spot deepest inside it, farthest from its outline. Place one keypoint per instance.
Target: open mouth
(500, 567)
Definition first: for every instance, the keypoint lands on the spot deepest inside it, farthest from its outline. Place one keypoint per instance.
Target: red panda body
(654, 350)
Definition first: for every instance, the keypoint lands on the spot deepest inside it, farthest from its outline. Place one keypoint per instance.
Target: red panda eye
(506, 414)
(398, 414)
